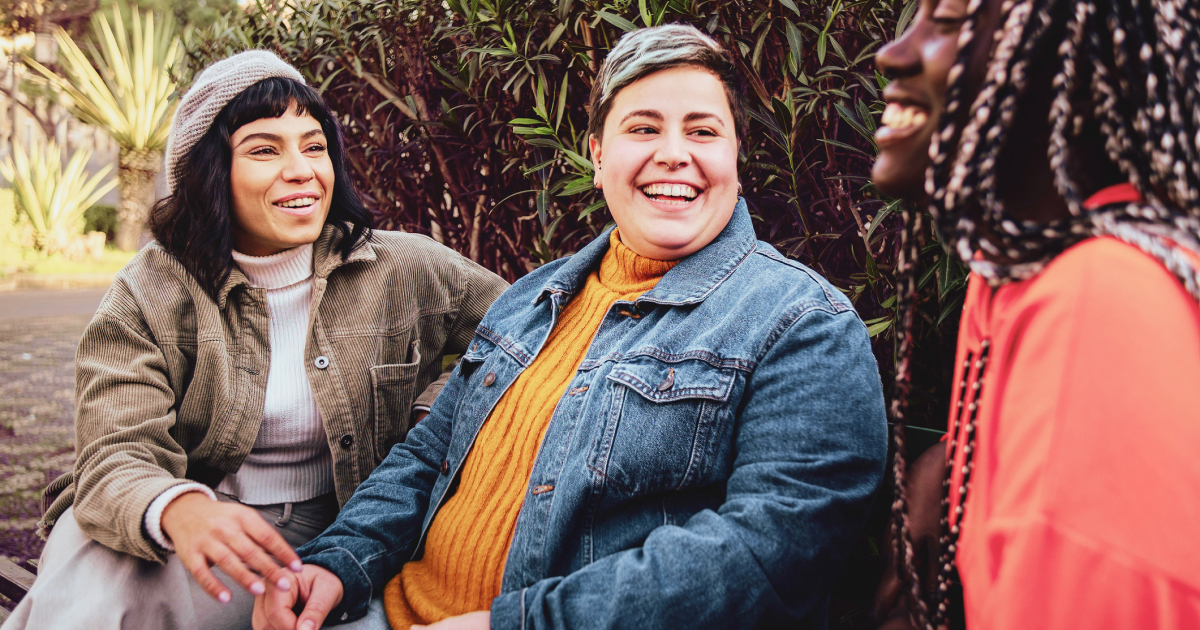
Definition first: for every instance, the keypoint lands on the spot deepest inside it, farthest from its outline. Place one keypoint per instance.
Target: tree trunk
(136, 182)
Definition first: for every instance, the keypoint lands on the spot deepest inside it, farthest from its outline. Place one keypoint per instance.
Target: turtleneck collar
(277, 270)
(624, 271)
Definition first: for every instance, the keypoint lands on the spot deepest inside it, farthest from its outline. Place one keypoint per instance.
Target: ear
(594, 149)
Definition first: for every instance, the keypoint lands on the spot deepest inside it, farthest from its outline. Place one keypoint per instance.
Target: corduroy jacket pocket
(391, 393)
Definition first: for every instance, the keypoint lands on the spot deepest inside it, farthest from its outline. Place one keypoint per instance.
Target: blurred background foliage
(466, 120)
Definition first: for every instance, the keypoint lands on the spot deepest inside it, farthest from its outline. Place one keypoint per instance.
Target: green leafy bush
(101, 217)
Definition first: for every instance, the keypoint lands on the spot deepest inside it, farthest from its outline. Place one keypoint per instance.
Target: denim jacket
(709, 466)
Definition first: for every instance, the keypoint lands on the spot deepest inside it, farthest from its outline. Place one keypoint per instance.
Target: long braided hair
(1127, 69)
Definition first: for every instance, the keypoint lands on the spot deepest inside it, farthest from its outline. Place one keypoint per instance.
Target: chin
(898, 180)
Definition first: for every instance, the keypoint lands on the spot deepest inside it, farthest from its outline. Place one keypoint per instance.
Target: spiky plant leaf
(127, 92)
(52, 197)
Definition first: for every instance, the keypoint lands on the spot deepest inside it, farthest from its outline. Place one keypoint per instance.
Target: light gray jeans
(82, 584)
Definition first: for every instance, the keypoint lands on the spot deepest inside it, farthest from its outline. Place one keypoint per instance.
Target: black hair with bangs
(194, 223)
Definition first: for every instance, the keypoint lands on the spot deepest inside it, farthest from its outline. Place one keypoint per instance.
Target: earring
(739, 189)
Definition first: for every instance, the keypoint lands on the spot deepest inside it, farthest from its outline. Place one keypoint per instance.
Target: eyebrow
(270, 137)
(655, 115)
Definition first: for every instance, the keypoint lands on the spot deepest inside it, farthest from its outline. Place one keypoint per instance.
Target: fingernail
(295, 566)
(257, 588)
(308, 625)
(283, 584)
(224, 597)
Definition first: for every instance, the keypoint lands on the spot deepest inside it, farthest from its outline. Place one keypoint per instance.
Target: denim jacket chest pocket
(662, 425)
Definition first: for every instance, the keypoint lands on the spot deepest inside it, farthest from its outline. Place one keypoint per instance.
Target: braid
(902, 546)
(1137, 64)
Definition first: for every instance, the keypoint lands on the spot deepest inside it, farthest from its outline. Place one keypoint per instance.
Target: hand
(317, 588)
(478, 620)
(229, 535)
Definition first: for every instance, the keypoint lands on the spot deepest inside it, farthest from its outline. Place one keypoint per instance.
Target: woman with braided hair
(1062, 143)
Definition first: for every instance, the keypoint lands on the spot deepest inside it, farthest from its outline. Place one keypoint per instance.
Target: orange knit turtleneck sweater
(468, 541)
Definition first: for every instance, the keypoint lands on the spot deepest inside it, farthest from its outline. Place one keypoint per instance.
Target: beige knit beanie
(212, 90)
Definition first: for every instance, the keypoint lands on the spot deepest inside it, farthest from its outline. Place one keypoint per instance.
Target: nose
(901, 57)
(673, 152)
(296, 167)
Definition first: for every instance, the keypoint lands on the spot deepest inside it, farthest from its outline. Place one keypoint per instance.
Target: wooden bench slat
(14, 581)
(3, 615)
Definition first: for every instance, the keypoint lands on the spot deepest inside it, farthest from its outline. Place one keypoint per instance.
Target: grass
(20, 260)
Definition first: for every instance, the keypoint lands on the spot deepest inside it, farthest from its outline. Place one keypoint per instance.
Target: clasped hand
(231, 536)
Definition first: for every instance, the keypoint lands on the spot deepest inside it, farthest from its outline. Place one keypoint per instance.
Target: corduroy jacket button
(445, 468)
(347, 441)
(489, 378)
(321, 362)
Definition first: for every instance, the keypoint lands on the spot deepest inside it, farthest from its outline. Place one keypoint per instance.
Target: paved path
(26, 304)
(39, 331)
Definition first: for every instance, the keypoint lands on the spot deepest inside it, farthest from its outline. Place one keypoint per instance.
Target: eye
(643, 130)
(267, 150)
(316, 148)
(704, 131)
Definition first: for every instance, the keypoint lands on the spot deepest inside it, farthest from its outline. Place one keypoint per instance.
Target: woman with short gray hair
(677, 427)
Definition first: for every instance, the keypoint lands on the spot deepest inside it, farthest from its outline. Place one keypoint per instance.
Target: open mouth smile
(678, 194)
(900, 120)
(298, 204)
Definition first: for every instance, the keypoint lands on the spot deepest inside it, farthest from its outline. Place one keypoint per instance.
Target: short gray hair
(648, 50)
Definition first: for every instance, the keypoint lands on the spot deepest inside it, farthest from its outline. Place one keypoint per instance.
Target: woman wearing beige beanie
(246, 371)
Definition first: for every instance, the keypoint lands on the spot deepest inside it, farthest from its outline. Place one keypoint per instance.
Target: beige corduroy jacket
(170, 385)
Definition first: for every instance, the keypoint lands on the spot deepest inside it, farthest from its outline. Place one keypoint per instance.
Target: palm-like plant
(127, 92)
(52, 197)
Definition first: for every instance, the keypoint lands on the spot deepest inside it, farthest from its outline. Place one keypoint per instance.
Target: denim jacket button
(347, 441)
(667, 382)
(489, 378)
(445, 468)
(321, 362)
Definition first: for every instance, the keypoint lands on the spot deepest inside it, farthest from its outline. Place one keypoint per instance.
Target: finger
(321, 600)
(275, 609)
(230, 562)
(198, 567)
(257, 559)
(269, 539)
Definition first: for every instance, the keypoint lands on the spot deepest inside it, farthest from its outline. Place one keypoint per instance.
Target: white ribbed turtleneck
(290, 461)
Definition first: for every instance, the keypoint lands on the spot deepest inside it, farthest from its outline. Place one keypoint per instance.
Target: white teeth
(298, 203)
(671, 190)
(897, 117)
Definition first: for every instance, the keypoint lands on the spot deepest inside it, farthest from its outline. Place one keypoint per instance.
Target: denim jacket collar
(325, 259)
(689, 282)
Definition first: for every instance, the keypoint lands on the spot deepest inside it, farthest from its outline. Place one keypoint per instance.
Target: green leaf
(791, 5)
(821, 43)
(554, 35)
(879, 326)
(645, 13)
(617, 21)
(592, 208)
(543, 206)
(796, 43)
(884, 213)
(906, 15)
(576, 186)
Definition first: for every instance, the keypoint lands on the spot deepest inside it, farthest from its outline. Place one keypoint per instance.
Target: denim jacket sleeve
(378, 529)
(810, 454)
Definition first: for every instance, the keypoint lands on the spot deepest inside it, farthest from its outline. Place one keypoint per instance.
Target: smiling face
(667, 162)
(918, 64)
(282, 182)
